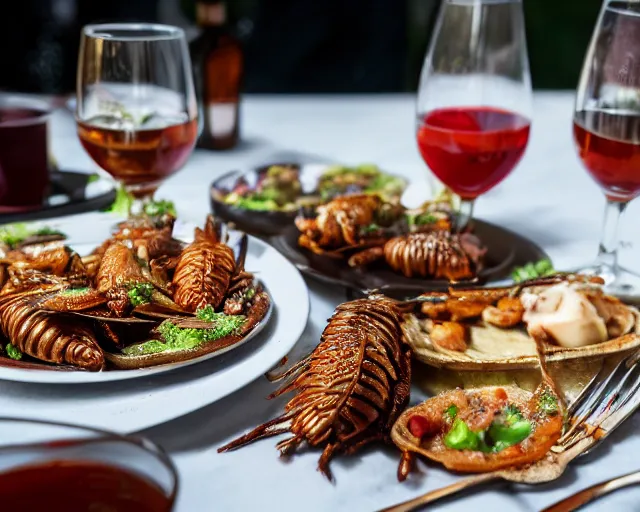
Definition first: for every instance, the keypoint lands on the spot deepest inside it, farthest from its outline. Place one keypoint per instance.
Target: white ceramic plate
(48, 376)
(149, 400)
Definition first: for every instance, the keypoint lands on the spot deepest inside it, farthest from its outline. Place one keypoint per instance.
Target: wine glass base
(620, 282)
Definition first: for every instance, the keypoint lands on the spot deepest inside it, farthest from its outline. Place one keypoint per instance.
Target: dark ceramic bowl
(260, 223)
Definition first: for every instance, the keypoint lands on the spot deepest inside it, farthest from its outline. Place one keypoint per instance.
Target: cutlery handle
(589, 494)
(432, 496)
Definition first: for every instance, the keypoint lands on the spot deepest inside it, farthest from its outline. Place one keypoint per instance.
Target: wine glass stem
(608, 249)
(465, 214)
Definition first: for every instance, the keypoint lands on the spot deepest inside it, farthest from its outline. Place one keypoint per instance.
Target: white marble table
(549, 198)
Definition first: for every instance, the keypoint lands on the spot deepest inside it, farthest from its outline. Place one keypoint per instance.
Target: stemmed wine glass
(606, 129)
(474, 97)
(136, 109)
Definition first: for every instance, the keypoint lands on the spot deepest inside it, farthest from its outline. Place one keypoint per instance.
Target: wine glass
(606, 129)
(474, 97)
(58, 466)
(136, 109)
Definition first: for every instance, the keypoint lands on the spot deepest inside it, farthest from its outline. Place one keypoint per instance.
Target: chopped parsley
(174, 338)
(13, 352)
(207, 314)
(140, 293)
(548, 403)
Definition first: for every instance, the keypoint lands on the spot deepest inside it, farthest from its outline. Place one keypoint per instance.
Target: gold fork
(594, 492)
(610, 398)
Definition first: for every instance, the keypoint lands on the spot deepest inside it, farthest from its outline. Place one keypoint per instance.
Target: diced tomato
(501, 394)
(420, 426)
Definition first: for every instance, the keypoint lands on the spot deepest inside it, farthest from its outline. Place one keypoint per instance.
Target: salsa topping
(484, 429)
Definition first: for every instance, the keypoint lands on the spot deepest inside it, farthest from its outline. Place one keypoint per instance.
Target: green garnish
(207, 314)
(14, 234)
(93, 178)
(140, 293)
(334, 171)
(74, 291)
(154, 208)
(176, 338)
(250, 293)
(451, 412)
(253, 203)
(371, 228)
(540, 268)
(13, 352)
(461, 437)
(421, 219)
(507, 430)
(159, 208)
(122, 202)
(504, 435)
(548, 403)
(512, 414)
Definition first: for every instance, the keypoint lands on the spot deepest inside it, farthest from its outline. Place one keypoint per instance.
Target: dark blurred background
(291, 46)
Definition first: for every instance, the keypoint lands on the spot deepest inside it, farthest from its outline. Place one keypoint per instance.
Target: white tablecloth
(549, 198)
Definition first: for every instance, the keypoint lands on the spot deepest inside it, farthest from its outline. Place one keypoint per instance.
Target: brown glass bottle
(217, 66)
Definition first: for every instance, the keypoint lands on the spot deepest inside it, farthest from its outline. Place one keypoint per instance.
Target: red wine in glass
(609, 147)
(472, 149)
(474, 98)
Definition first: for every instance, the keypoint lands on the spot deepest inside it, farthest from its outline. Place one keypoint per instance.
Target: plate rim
(525, 362)
(54, 212)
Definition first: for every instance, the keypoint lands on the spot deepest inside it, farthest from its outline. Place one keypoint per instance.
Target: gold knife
(589, 494)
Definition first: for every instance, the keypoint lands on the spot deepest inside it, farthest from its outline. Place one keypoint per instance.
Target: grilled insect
(47, 336)
(351, 388)
(157, 238)
(242, 287)
(339, 223)
(60, 308)
(438, 255)
(204, 270)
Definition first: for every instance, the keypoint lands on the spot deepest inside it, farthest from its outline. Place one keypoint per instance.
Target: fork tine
(612, 396)
(586, 391)
(625, 409)
(604, 401)
(584, 408)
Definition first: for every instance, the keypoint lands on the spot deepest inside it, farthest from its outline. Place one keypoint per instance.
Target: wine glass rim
(133, 31)
(141, 442)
